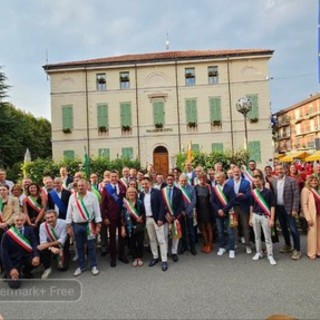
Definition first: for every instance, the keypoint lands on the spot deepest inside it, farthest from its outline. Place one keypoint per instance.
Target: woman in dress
(204, 212)
(310, 203)
(133, 225)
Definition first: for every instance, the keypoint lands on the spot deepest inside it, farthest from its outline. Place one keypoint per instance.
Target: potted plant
(103, 129)
(159, 125)
(192, 124)
(216, 122)
(126, 128)
(66, 130)
(254, 120)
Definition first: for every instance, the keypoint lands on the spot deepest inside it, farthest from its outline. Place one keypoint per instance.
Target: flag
(86, 163)
(189, 151)
(27, 159)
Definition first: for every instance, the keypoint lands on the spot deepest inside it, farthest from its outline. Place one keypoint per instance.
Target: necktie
(170, 193)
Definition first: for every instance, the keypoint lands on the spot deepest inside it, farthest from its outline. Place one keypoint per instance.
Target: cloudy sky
(82, 29)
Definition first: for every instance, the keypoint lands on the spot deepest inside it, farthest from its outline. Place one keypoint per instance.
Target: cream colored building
(150, 106)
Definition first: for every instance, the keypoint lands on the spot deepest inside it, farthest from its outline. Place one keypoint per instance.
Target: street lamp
(244, 105)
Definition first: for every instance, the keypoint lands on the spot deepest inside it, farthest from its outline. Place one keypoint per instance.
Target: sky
(83, 29)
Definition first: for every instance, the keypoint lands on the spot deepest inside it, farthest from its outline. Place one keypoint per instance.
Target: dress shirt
(280, 188)
(147, 203)
(60, 229)
(92, 204)
(236, 186)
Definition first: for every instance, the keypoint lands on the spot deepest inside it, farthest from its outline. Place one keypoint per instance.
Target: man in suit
(190, 172)
(188, 215)
(287, 196)
(58, 199)
(111, 205)
(173, 200)
(155, 217)
(19, 252)
(223, 197)
(241, 203)
(66, 179)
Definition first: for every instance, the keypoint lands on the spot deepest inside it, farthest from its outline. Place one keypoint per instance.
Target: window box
(189, 75)
(103, 129)
(254, 120)
(66, 130)
(159, 125)
(126, 128)
(192, 124)
(216, 122)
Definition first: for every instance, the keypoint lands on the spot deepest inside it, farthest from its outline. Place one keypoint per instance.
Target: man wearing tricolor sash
(53, 240)
(223, 197)
(248, 172)
(111, 205)
(188, 220)
(124, 180)
(84, 221)
(173, 200)
(47, 186)
(262, 214)
(58, 199)
(19, 252)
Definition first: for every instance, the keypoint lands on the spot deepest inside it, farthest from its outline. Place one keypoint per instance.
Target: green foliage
(208, 160)
(3, 86)
(39, 168)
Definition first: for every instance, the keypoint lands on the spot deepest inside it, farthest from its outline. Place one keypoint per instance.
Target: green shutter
(217, 147)
(104, 153)
(253, 115)
(125, 114)
(68, 155)
(191, 110)
(195, 147)
(158, 112)
(255, 151)
(215, 109)
(102, 115)
(67, 117)
(127, 153)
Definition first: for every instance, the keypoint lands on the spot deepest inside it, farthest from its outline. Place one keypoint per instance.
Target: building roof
(160, 57)
(298, 104)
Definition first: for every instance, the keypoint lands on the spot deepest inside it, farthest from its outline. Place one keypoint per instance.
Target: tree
(3, 86)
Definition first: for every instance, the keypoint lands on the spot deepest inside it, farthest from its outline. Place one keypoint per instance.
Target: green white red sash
(124, 182)
(1, 208)
(33, 203)
(186, 194)
(85, 215)
(261, 202)
(167, 201)
(316, 195)
(195, 181)
(176, 230)
(96, 192)
(131, 209)
(51, 233)
(19, 239)
(247, 174)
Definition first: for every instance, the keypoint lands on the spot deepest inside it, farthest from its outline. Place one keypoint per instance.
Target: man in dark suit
(173, 200)
(223, 197)
(241, 203)
(66, 179)
(286, 191)
(58, 199)
(19, 252)
(111, 205)
(155, 217)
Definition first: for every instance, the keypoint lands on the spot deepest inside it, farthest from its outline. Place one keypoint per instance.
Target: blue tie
(170, 193)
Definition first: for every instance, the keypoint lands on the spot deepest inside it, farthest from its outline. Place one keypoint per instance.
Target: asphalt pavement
(200, 287)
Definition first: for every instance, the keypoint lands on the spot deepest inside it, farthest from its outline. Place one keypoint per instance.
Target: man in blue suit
(155, 217)
(223, 197)
(19, 252)
(241, 204)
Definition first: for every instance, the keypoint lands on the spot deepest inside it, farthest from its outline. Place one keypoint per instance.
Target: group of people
(125, 213)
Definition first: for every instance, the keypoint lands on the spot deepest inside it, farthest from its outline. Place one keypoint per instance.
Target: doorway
(161, 160)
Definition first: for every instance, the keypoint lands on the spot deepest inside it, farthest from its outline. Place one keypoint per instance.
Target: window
(127, 153)
(102, 116)
(124, 80)
(104, 153)
(67, 118)
(190, 76)
(191, 112)
(255, 150)
(101, 81)
(215, 110)
(158, 113)
(68, 154)
(253, 115)
(125, 115)
(213, 76)
(195, 147)
(217, 147)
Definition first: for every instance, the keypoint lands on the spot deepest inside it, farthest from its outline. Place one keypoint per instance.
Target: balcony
(283, 122)
(284, 136)
(314, 114)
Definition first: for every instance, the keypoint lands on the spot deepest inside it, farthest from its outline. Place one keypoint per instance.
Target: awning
(313, 157)
(294, 155)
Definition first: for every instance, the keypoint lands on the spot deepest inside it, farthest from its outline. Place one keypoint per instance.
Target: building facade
(150, 106)
(297, 128)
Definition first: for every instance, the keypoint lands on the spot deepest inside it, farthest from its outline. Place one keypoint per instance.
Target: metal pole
(245, 133)
(230, 106)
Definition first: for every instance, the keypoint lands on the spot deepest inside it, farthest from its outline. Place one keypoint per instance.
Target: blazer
(65, 195)
(216, 203)
(308, 205)
(177, 201)
(109, 207)
(189, 207)
(245, 188)
(12, 206)
(290, 194)
(157, 204)
(12, 255)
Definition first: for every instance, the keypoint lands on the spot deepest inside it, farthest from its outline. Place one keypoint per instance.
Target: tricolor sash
(167, 201)
(1, 208)
(187, 198)
(195, 181)
(57, 201)
(247, 174)
(109, 188)
(131, 209)
(316, 195)
(51, 233)
(176, 230)
(96, 192)
(19, 239)
(124, 182)
(261, 202)
(34, 204)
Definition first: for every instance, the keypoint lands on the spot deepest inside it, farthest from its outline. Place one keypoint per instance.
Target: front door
(161, 160)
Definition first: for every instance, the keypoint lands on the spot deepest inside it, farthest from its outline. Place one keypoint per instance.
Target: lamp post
(244, 105)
